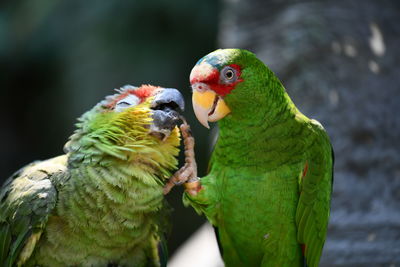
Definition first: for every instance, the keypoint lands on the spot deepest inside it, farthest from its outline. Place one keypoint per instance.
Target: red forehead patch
(214, 82)
(145, 91)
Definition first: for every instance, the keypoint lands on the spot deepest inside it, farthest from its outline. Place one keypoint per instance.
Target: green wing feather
(163, 231)
(312, 213)
(26, 200)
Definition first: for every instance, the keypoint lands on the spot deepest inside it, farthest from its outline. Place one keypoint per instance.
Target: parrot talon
(193, 186)
(193, 179)
(178, 182)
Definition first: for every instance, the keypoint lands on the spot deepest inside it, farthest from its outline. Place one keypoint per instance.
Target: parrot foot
(193, 186)
(188, 173)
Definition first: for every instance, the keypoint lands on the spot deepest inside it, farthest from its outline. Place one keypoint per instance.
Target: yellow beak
(208, 106)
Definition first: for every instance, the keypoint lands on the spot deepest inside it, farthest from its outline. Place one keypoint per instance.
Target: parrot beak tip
(206, 125)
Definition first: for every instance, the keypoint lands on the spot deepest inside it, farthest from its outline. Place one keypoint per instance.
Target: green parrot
(269, 186)
(101, 203)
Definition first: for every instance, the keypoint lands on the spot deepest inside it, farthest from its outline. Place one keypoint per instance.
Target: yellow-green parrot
(101, 203)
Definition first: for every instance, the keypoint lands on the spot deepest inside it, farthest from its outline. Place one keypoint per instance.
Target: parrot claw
(189, 171)
(177, 182)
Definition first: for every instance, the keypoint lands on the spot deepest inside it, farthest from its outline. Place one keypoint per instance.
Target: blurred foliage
(59, 58)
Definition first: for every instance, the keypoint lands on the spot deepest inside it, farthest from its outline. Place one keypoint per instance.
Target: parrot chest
(98, 223)
(256, 210)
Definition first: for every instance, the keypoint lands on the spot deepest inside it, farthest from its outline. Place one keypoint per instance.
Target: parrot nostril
(201, 87)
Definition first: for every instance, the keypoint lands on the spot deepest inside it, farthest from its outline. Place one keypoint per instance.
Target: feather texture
(264, 201)
(99, 204)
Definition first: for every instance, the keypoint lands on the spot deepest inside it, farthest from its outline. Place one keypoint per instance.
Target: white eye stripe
(129, 101)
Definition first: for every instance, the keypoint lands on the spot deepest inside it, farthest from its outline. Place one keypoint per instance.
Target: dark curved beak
(169, 97)
(167, 105)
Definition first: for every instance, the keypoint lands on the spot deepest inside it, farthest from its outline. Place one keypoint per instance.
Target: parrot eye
(123, 104)
(228, 75)
(129, 101)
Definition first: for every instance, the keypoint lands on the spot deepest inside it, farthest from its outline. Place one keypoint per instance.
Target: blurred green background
(59, 58)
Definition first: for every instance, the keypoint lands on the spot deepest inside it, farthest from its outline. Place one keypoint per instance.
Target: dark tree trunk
(339, 61)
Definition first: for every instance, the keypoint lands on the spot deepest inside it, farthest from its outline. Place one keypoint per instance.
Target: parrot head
(133, 121)
(221, 83)
(156, 109)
